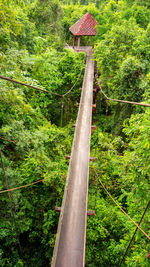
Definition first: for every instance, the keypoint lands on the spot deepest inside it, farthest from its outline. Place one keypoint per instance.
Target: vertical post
(78, 42)
(74, 39)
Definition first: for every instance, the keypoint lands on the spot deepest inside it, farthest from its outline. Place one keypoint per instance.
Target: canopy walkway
(69, 248)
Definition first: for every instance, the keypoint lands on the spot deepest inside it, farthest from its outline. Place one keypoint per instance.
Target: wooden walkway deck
(86, 49)
(70, 242)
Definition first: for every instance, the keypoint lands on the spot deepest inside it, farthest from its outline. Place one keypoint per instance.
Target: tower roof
(84, 26)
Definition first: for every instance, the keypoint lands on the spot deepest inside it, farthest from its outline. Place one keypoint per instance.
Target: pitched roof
(84, 26)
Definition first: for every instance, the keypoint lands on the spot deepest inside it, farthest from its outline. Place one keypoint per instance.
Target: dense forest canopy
(36, 128)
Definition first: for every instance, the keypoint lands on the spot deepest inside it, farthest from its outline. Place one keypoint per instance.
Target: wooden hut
(83, 27)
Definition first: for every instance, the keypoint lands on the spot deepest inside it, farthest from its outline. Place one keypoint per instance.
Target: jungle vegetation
(36, 128)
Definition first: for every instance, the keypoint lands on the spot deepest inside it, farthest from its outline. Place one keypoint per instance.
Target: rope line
(8, 140)
(122, 209)
(22, 186)
(21, 83)
(134, 233)
(122, 101)
(43, 90)
(76, 80)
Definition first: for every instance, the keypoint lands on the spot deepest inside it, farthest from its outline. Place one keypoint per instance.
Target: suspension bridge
(71, 235)
(69, 249)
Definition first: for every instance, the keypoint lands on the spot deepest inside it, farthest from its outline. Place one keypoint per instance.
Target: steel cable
(122, 101)
(43, 90)
(134, 233)
(121, 208)
(22, 186)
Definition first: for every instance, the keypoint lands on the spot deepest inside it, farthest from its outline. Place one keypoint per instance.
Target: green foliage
(47, 17)
(123, 166)
(122, 52)
(33, 148)
(32, 37)
(9, 22)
